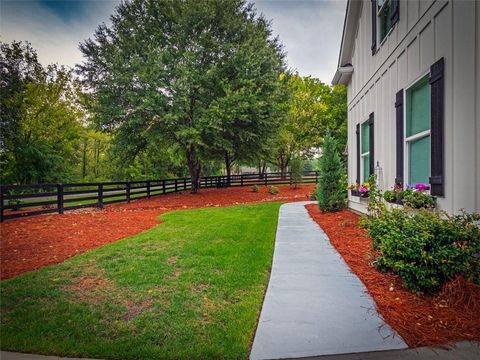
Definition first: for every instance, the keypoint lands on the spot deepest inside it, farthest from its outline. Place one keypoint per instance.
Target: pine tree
(331, 191)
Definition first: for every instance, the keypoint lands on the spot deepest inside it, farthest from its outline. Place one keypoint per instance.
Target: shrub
(389, 196)
(273, 190)
(255, 188)
(296, 167)
(331, 191)
(426, 248)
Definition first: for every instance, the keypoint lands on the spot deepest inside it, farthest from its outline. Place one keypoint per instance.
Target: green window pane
(418, 108)
(366, 167)
(384, 18)
(365, 137)
(419, 160)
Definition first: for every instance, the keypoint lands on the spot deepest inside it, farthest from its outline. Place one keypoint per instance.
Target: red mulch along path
(33, 242)
(452, 315)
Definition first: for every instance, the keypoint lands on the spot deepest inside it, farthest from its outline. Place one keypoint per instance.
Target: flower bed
(421, 320)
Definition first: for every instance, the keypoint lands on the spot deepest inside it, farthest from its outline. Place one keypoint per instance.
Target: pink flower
(362, 189)
(422, 187)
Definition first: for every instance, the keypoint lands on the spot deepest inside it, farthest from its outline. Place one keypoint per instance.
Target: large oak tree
(185, 73)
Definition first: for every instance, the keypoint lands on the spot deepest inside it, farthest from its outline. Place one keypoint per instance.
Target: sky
(310, 30)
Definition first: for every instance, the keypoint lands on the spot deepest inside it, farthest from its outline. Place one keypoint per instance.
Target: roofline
(348, 38)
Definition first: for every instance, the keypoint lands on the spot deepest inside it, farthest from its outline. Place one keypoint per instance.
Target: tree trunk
(195, 168)
(264, 167)
(84, 165)
(283, 165)
(97, 157)
(228, 166)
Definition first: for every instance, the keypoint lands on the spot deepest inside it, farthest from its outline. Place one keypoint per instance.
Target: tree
(312, 107)
(40, 119)
(184, 74)
(331, 191)
(296, 171)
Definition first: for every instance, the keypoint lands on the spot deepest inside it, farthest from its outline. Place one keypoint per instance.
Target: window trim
(417, 136)
(366, 153)
(380, 42)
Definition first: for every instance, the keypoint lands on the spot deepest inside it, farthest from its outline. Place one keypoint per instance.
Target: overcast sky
(310, 30)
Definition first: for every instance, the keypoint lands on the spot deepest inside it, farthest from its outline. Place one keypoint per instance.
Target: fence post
(241, 180)
(163, 184)
(176, 185)
(148, 189)
(100, 196)
(184, 183)
(1, 203)
(266, 179)
(316, 177)
(60, 198)
(128, 191)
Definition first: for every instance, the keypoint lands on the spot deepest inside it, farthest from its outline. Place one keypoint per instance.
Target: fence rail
(35, 199)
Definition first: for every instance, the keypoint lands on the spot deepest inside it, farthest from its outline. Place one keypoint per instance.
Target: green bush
(389, 196)
(273, 190)
(332, 187)
(255, 188)
(426, 248)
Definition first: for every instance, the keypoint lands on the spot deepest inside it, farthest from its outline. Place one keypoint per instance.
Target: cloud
(310, 30)
(52, 30)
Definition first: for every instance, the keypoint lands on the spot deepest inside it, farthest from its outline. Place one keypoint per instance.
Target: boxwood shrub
(426, 248)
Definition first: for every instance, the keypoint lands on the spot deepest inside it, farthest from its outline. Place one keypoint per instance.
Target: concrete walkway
(314, 304)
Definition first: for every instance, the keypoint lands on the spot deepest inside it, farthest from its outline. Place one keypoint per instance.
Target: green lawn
(190, 288)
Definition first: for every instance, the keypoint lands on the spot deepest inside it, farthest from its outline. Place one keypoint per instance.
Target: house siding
(426, 32)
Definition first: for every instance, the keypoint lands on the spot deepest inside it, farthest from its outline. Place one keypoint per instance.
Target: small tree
(296, 167)
(331, 191)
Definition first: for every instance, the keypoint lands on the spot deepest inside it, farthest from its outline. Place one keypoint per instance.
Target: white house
(412, 68)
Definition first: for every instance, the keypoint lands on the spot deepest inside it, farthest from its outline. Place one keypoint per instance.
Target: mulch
(30, 243)
(451, 315)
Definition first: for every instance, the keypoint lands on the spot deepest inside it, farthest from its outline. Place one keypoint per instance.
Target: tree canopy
(40, 120)
(201, 76)
(311, 109)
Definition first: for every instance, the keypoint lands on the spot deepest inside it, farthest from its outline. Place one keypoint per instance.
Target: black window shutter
(400, 139)
(374, 26)
(437, 186)
(371, 144)
(394, 17)
(357, 133)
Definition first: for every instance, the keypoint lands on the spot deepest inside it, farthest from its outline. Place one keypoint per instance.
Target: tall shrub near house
(331, 191)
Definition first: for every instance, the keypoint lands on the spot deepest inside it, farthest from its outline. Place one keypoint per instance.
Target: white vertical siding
(426, 32)
(464, 138)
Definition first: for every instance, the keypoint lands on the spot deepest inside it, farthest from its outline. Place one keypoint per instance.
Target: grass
(189, 288)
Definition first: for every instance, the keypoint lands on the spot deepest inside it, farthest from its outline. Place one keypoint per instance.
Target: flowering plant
(362, 188)
(353, 186)
(414, 196)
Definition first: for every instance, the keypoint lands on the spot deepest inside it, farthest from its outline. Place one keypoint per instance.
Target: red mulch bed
(451, 315)
(30, 243)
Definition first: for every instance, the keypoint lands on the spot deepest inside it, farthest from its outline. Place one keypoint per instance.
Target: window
(417, 132)
(365, 151)
(384, 16)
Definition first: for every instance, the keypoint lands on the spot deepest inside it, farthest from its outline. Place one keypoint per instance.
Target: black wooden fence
(36, 199)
